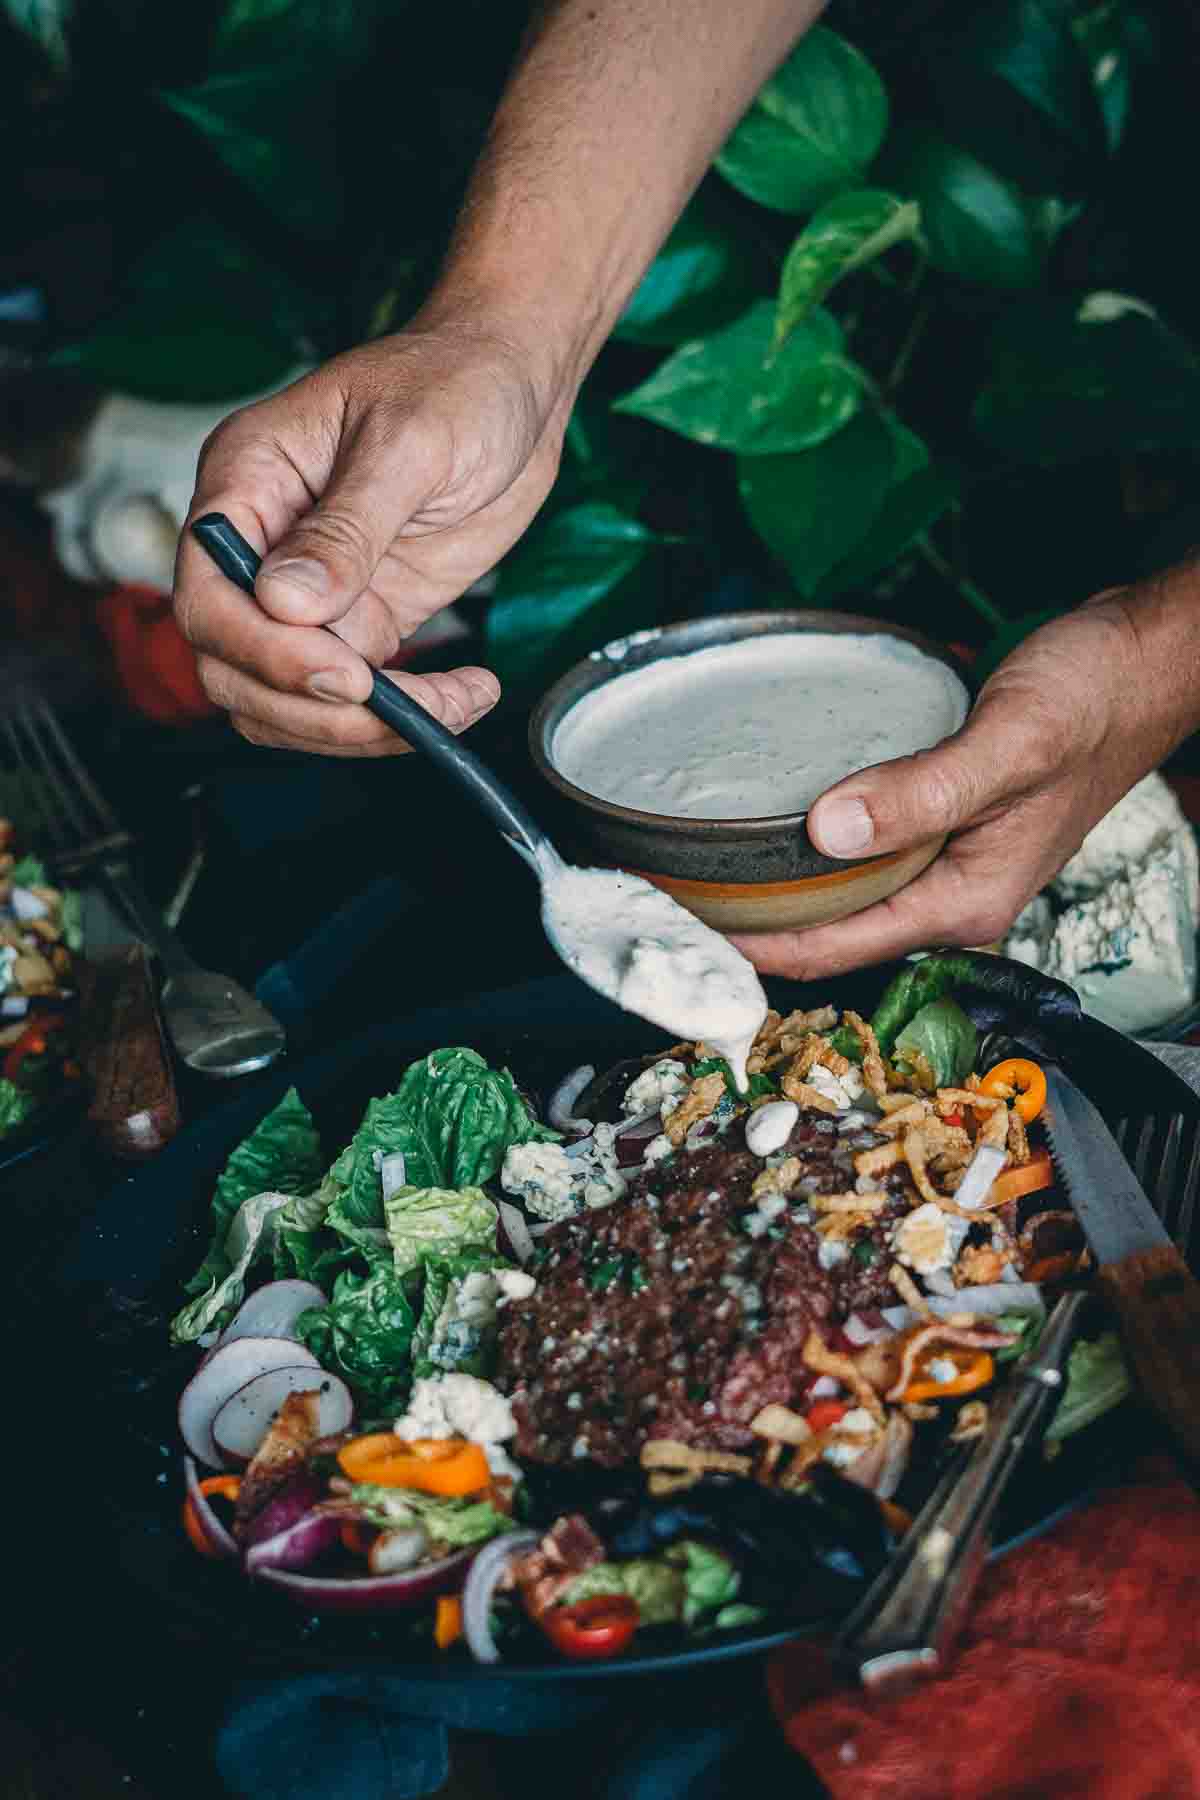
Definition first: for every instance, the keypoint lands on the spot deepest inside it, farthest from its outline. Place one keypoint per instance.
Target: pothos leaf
(813, 128)
(732, 391)
(977, 225)
(706, 273)
(846, 234)
(46, 22)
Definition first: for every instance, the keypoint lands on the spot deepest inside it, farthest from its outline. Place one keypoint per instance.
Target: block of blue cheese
(1119, 922)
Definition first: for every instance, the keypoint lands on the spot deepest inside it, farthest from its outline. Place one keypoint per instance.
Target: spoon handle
(240, 563)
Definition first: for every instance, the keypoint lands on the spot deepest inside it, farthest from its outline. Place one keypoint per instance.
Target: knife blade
(1140, 1273)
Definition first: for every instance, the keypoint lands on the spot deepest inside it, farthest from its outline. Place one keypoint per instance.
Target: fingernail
(844, 828)
(330, 684)
(308, 577)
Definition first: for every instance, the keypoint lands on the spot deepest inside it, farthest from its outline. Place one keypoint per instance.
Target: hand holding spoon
(624, 937)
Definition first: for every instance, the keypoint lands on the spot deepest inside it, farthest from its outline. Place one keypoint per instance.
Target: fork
(217, 1028)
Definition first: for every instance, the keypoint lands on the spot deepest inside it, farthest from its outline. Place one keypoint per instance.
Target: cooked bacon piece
(283, 1453)
(568, 1548)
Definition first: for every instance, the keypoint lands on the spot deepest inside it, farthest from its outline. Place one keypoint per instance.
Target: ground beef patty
(678, 1311)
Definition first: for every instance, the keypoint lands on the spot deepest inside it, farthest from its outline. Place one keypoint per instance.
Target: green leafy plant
(925, 298)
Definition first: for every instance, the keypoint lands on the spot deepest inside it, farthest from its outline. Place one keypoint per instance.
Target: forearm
(1161, 619)
(615, 110)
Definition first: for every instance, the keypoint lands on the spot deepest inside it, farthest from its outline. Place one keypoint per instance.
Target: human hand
(379, 488)
(1063, 728)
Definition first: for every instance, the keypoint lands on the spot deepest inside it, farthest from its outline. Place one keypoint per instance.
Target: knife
(1140, 1273)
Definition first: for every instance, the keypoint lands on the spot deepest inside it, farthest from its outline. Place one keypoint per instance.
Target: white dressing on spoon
(637, 946)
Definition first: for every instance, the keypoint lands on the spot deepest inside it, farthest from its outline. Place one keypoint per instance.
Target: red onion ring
(219, 1539)
(481, 1584)
(560, 1106)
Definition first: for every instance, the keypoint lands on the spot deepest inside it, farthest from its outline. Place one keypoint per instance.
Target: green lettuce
(757, 1087)
(938, 1045)
(28, 872)
(458, 1323)
(16, 1104)
(457, 1522)
(454, 1118)
(433, 1220)
(364, 1334)
(1097, 1380)
(280, 1159)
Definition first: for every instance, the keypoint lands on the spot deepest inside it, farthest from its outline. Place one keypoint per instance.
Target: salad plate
(118, 1283)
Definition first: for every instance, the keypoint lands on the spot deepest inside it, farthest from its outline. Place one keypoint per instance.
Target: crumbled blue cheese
(769, 1127)
(442, 1406)
(941, 1369)
(468, 1312)
(8, 957)
(843, 1090)
(1119, 922)
(659, 1089)
(514, 1284)
(856, 1424)
(832, 1251)
(761, 1217)
(658, 1149)
(556, 1186)
(928, 1239)
(541, 1176)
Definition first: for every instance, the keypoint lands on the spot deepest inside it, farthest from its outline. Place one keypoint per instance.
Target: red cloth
(1079, 1674)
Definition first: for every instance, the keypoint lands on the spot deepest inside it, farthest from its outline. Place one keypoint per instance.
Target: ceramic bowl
(737, 874)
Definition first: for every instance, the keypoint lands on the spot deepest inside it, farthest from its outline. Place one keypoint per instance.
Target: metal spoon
(240, 562)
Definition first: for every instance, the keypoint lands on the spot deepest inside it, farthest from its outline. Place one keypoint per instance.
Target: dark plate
(118, 1281)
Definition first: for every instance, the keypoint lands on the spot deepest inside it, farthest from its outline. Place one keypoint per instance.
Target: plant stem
(987, 609)
(912, 337)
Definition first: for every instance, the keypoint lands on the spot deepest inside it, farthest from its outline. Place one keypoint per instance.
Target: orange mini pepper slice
(1020, 1081)
(228, 1486)
(448, 1466)
(975, 1369)
(447, 1625)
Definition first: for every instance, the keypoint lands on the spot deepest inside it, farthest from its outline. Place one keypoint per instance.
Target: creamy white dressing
(637, 946)
(756, 728)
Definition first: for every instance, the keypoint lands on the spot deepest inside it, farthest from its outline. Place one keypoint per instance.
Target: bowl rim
(623, 654)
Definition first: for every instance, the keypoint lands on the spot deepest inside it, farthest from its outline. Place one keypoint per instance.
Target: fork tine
(1189, 1162)
(108, 821)
(66, 800)
(41, 801)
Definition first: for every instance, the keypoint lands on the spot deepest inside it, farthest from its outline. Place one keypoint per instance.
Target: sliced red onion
(486, 1573)
(978, 1177)
(295, 1547)
(285, 1508)
(393, 1552)
(859, 1331)
(560, 1108)
(220, 1541)
(899, 1318)
(646, 1124)
(882, 1464)
(517, 1230)
(371, 1593)
(537, 1231)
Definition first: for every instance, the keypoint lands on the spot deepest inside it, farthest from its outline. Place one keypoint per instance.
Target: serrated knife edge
(1112, 1207)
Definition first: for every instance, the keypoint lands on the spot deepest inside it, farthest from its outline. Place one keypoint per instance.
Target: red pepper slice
(601, 1626)
(824, 1413)
(32, 1042)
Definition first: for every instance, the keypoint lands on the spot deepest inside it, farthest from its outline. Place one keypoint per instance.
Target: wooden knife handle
(134, 1108)
(1156, 1299)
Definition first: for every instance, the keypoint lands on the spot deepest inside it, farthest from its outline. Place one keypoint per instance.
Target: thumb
(317, 571)
(897, 805)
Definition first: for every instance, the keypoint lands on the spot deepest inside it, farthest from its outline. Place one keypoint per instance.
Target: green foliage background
(923, 337)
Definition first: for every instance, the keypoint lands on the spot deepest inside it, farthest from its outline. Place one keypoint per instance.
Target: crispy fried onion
(952, 1100)
(918, 1342)
(899, 1118)
(849, 1203)
(778, 1037)
(824, 1361)
(874, 1072)
(671, 1465)
(781, 1424)
(909, 1292)
(781, 1178)
(699, 1101)
(805, 1096)
(1018, 1139)
(878, 1158)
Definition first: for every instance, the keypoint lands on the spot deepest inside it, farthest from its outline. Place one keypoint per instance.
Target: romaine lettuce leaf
(249, 1237)
(937, 1047)
(16, 1104)
(454, 1118)
(282, 1155)
(457, 1327)
(364, 1334)
(438, 1221)
(1097, 1380)
(29, 871)
(456, 1522)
